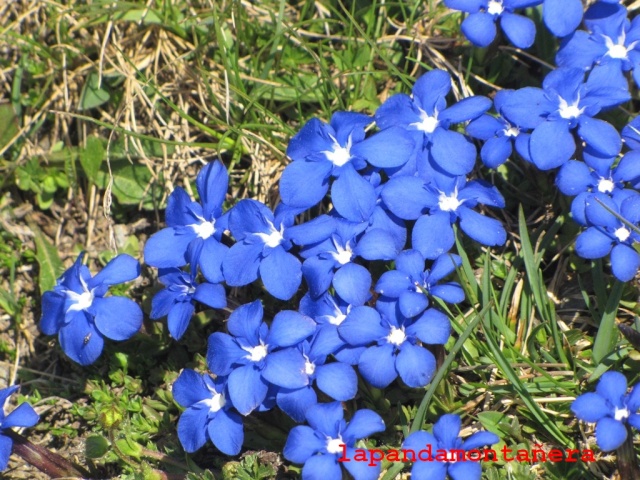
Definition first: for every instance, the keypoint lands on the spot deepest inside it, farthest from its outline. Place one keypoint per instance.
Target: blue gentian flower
(500, 134)
(22, 416)
(176, 301)
(410, 283)
(631, 133)
(329, 312)
(262, 249)
(208, 413)
(610, 45)
(438, 205)
(194, 229)
(566, 103)
(392, 342)
(78, 311)
(323, 151)
(426, 114)
(445, 437)
(480, 26)
(331, 261)
(335, 379)
(609, 234)
(610, 407)
(328, 438)
(254, 355)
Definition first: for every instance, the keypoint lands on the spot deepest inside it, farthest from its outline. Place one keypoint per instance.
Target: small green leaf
(48, 260)
(8, 124)
(129, 448)
(91, 158)
(96, 446)
(92, 94)
(132, 184)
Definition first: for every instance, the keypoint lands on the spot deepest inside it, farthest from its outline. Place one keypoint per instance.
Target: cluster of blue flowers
(408, 174)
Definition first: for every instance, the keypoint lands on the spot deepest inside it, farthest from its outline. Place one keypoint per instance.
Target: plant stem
(44, 460)
(627, 462)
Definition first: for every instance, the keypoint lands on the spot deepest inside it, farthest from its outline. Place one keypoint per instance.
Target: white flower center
(605, 185)
(569, 112)
(216, 402)
(204, 229)
(419, 287)
(397, 336)
(495, 7)
(309, 367)
(274, 237)
(427, 124)
(334, 445)
(511, 131)
(81, 301)
(622, 234)
(339, 155)
(449, 203)
(618, 50)
(342, 255)
(621, 414)
(337, 319)
(257, 353)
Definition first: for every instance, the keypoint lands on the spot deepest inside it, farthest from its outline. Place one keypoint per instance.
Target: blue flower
(194, 229)
(176, 301)
(438, 205)
(328, 438)
(329, 312)
(322, 151)
(445, 438)
(392, 342)
(208, 413)
(262, 249)
(566, 103)
(611, 45)
(500, 134)
(331, 261)
(607, 233)
(254, 355)
(410, 283)
(610, 408)
(22, 416)
(337, 380)
(426, 114)
(480, 26)
(79, 312)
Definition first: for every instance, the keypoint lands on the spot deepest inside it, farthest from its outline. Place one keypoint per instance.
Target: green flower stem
(44, 460)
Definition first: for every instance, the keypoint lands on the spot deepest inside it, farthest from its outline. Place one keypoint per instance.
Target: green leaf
(132, 184)
(91, 158)
(48, 260)
(96, 446)
(129, 448)
(8, 124)
(92, 95)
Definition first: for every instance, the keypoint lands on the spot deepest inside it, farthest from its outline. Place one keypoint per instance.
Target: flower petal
(432, 327)
(353, 197)
(625, 262)
(352, 282)
(428, 244)
(120, 269)
(376, 244)
(337, 380)
(322, 467)
(389, 148)
(241, 264)
(592, 243)
(168, 247)
(281, 273)
(562, 16)
(416, 365)
(412, 303)
(479, 28)
(290, 328)
(80, 340)
(485, 230)
(301, 444)
(573, 178)
(189, 388)
(52, 312)
(453, 152)
(211, 295)
(179, 318)
(227, 432)
(591, 407)
(610, 434)
(601, 136)
(304, 184)
(362, 326)
(192, 428)
(520, 30)
(407, 197)
(377, 365)
(247, 388)
(295, 402)
(551, 145)
(211, 258)
(286, 368)
(117, 318)
(22, 416)
(212, 183)
(222, 353)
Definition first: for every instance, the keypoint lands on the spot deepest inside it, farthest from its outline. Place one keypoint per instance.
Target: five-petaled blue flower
(176, 301)
(194, 229)
(445, 439)
(426, 114)
(78, 311)
(610, 407)
(328, 438)
(392, 342)
(208, 413)
(323, 151)
(22, 416)
(608, 233)
(480, 26)
(410, 283)
(566, 103)
(255, 356)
